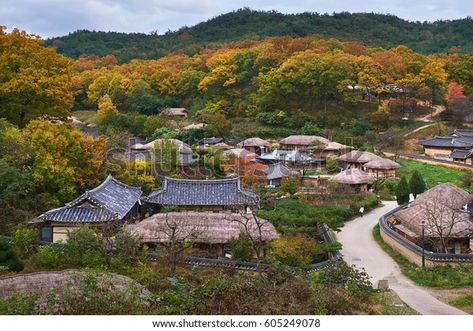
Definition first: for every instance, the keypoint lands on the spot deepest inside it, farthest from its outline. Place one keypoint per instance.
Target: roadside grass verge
(464, 302)
(449, 276)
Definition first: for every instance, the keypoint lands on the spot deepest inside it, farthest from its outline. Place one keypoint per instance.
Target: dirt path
(361, 250)
(429, 117)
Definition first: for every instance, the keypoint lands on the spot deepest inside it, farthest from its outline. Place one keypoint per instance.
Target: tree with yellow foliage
(106, 109)
(34, 80)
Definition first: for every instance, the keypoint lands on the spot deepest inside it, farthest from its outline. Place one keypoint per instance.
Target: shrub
(8, 257)
(296, 251)
(331, 164)
(24, 240)
(84, 249)
(49, 257)
(241, 247)
(416, 183)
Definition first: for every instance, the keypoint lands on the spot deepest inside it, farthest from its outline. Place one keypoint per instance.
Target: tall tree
(34, 81)
(416, 183)
(402, 192)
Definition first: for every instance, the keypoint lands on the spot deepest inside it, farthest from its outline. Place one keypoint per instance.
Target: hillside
(372, 29)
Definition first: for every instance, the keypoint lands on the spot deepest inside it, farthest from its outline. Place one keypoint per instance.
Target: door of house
(458, 248)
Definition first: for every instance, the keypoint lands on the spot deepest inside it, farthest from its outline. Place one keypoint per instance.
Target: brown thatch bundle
(352, 177)
(359, 157)
(201, 227)
(254, 142)
(442, 208)
(384, 164)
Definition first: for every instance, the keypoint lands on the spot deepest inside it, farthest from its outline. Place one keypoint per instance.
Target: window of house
(46, 233)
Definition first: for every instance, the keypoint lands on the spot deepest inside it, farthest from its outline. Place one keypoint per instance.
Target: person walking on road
(362, 211)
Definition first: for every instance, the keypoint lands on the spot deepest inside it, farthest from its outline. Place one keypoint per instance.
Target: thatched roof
(203, 227)
(175, 111)
(382, 164)
(334, 146)
(240, 153)
(254, 142)
(182, 146)
(358, 157)
(352, 177)
(303, 140)
(443, 203)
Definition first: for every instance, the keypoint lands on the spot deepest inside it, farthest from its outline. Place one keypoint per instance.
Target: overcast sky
(58, 17)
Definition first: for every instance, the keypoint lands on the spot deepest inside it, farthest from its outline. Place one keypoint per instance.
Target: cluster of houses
(456, 146)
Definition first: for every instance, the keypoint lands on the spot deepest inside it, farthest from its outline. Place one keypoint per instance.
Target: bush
(295, 251)
(49, 257)
(8, 257)
(241, 247)
(24, 240)
(84, 249)
(402, 192)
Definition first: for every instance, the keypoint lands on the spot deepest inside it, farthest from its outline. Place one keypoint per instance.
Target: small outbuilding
(357, 159)
(177, 112)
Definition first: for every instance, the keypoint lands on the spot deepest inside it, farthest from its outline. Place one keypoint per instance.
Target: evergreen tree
(416, 184)
(8, 257)
(402, 192)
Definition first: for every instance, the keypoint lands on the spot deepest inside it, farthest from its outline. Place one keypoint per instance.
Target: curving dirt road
(361, 250)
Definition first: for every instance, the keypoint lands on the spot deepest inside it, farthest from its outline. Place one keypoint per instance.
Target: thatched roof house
(255, 145)
(203, 227)
(110, 201)
(179, 112)
(215, 194)
(358, 157)
(303, 140)
(310, 143)
(182, 146)
(442, 208)
(382, 168)
(352, 177)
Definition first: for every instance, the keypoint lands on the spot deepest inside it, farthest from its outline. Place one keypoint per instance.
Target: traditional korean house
(357, 159)
(288, 157)
(255, 145)
(462, 155)
(110, 202)
(210, 141)
(177, 112)
(210, 233)
(318, 146)
(445, 214)
(185, 152)
(203, 195)
(381, 168)
(275, 173)
(444, 146)
(357, 180)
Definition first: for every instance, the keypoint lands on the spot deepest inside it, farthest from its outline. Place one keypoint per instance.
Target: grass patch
(449, 276)
(391, 304)
(433, 174)
(463, 301)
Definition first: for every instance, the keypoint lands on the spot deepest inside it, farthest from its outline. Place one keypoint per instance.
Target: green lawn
(460, 275)
(433, 174)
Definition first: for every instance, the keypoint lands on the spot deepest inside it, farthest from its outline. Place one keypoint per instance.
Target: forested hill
(371, 29)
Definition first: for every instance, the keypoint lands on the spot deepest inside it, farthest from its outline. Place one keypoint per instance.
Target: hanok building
(112, 202)
(381, 168)
(144, 150)
(316, 145)
(275, 173)
(355, 179)
(203, 195)
(210, 233)
(177, 112)
(443, 212)
(456, 145)
(255, 145)
(289, 157)
(357, 159)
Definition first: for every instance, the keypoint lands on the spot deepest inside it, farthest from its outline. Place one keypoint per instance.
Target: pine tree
(416, 184)
(402, 192)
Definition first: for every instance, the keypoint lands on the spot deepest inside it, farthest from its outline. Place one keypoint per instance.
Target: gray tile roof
(462, 133)
(449, 142)
(461, 154)
(278, 170)
(215, 192)
(110, 200)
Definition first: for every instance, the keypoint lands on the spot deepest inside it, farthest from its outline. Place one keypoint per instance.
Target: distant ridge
(372, 29)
